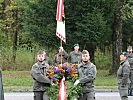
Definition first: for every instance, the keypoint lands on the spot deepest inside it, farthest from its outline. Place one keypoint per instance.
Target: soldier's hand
(76, 82)
(61, 48)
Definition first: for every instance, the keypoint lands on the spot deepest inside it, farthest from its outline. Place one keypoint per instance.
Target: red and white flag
(60, 31)
(62, 91)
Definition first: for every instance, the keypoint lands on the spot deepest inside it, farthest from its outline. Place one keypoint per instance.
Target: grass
(17, 78)
(104, 79)
(22, 81)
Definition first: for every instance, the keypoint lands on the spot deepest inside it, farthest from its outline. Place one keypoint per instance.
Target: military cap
(124, 53)
(85, 52)
(129, 47)
(76, 45)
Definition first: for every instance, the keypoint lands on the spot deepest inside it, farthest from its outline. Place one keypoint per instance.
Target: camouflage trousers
(131, 79)
(123, 91)
(130, 90)
(40, 95)
(88, 96)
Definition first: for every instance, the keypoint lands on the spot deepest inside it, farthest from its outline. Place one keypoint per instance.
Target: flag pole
(61, 51)
(60, 32)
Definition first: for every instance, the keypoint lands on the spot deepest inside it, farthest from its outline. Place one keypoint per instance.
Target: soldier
(1, 87)
(46, 58)
(60, 57)
(87, 74)
(123, 76)
(75, 55)
(41, 81)
(130, 60)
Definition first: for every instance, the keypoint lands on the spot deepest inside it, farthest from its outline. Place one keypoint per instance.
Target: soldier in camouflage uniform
(41, 81)
(60, 56)
(87, 74)
(46, 58)
(1, 86)
(130, 60)
(75, 55)
(123, 76)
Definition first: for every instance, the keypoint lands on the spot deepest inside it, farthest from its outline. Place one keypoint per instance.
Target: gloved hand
(61, 48)
(51, 83)
(76, 82)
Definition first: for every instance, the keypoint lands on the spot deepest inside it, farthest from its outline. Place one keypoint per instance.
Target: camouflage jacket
(58, 58)
(123, 72)
(38, 73)
(75, 58)
(130, 59)
(87, 74)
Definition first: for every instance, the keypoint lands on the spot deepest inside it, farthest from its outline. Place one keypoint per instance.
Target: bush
(26, 58)
(103, 60)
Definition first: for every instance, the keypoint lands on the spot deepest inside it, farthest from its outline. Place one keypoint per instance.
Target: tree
(11, 23)
(117, 34)
(39, 21)
(86, 24)
(127, 24)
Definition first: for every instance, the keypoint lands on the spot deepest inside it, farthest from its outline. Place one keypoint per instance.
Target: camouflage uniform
(130, 60)
(87, 74)
(47, 60)
(57, 58)
(75, 58)
(123, 79)
(41, 81)
(1, 87)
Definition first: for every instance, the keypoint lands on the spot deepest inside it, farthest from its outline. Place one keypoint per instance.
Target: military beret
(76, 45)
(124, 53)
(85, 52)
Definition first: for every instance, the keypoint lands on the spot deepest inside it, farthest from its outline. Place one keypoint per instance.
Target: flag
(60, 30)
(60, 10)
(62, 90)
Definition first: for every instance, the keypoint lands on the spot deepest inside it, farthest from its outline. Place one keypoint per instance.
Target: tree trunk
(91, 48)
(117, 36)
(15, 34)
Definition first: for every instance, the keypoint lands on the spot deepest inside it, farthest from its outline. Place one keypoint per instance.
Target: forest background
(103, 27)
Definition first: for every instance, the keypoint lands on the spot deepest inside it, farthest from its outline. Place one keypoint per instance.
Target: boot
(129, 92)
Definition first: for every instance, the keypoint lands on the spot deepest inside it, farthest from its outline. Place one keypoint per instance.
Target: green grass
(104, 79)
(17, 78)
(21, 81)
(23, 78)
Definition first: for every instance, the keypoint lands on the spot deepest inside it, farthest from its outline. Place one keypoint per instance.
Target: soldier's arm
(38, 76)
(69, 58)
(90, 77)
(126, 72)
(55, 62)
(65, 54)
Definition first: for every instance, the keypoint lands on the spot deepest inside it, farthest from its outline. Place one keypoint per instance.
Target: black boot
(129, 92)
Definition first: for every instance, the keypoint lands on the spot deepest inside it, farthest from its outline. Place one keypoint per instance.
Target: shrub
(103, 60)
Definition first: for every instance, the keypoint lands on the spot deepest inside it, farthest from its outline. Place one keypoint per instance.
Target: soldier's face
(40, 57)
(129, 50)
(122, 57)
(76, 48)
(85, 57)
